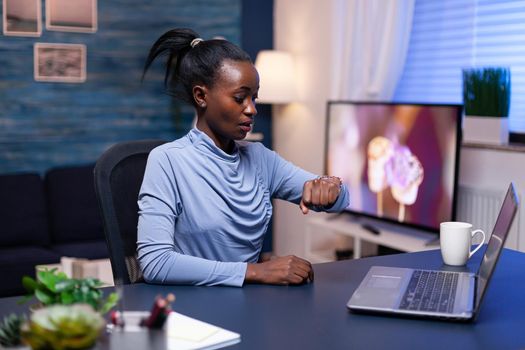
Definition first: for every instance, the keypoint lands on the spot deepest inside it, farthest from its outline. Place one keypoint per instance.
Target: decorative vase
(483, 129)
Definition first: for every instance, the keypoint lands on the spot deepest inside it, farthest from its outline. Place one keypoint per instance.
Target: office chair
(118, 176)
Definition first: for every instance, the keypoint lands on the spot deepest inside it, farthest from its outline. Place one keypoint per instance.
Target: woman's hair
(191, 62)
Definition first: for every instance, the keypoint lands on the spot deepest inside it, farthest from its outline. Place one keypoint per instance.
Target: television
(399, 160)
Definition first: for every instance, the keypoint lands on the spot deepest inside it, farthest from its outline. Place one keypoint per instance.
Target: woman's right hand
(280, 270)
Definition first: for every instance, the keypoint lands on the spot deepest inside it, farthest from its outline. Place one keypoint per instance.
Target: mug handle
(480, 244)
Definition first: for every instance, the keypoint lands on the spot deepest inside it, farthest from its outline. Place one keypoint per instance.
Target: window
(450, 35)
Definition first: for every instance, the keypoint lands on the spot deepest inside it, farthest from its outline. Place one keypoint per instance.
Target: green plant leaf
(4, 335)
(10, 333)
(44, 297)
(62, 276)
(47, 278)
(110, 303)
(93, 294)
(486, 91)
(99, 293)
(29, 283)
(93, 282)
(77, 295)
(65, 285)
(66, 297)
(43, 273)
(84, 290)
(50, 278)
(10, 330)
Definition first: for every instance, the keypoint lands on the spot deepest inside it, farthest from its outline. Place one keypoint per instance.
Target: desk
(314, 316)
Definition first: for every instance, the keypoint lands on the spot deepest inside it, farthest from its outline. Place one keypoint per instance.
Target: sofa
(44, 218)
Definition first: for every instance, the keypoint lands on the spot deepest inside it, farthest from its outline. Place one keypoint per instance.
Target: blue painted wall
(43, 125)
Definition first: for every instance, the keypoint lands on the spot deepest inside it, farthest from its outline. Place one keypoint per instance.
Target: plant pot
(490, 130)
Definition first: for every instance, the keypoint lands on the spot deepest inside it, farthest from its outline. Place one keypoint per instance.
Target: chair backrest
(118, 176)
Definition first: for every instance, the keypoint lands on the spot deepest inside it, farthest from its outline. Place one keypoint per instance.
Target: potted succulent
(52, 287)
(63, 327)
(486, 100)
(10, 334)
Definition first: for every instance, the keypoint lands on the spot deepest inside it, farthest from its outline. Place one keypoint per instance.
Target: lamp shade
(276, 74)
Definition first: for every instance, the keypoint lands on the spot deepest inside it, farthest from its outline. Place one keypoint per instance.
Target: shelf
(396, 237)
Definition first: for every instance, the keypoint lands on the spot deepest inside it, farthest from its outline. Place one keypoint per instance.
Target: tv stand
(363, 229)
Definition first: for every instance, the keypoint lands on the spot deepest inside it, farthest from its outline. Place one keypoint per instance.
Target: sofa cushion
(73, 209)
(20, 261)
(87, 249)
(23, 213)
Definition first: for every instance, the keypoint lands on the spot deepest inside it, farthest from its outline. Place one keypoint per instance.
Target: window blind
(450, 35)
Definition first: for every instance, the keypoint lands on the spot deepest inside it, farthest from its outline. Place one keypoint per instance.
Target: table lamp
(277, 81)
(276, 73)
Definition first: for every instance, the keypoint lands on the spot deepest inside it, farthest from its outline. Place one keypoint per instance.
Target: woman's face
(228, 108)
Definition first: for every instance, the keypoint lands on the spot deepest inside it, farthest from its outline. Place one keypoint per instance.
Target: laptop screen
(496, 242)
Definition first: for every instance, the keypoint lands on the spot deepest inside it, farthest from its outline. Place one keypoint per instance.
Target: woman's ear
(199, 96)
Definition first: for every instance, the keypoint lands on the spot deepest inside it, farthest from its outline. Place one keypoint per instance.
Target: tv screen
(399, 161)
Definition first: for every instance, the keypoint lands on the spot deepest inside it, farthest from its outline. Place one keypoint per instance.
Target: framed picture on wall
(22, 17)
(72, 15)
(64, 63)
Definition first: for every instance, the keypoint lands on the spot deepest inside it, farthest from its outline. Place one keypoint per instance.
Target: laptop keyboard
(431, 291)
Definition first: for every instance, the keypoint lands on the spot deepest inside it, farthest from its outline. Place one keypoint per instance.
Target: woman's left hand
(322, 192)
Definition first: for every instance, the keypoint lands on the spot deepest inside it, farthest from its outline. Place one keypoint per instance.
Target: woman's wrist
(252, 273)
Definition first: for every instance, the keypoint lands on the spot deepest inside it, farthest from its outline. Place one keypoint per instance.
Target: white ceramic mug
(456, 240)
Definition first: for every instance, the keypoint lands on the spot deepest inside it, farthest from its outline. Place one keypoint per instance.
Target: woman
(205, 202)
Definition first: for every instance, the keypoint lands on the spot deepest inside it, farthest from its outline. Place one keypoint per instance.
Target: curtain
(370, 41)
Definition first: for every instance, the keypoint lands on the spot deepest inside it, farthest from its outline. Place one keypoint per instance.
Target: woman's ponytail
(191, 60)
(175, 43)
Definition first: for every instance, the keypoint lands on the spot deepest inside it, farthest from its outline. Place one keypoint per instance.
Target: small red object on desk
(117, 318)
(159, 312)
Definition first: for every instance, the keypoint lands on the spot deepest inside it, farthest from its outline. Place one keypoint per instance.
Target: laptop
(435, 293)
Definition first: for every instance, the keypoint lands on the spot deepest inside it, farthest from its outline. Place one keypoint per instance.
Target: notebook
(184, 332)
(435, 293)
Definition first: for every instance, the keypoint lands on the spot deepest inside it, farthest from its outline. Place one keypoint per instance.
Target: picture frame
(64, 63)
(22, 17)
(79, 16)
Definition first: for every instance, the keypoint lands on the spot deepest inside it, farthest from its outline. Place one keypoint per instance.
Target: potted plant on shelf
(486, 100)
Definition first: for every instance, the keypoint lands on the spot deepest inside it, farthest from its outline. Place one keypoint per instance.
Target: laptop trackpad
(381, 288)
(379, 281)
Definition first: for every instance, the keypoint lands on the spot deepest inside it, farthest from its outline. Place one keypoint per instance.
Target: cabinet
(390, 235)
